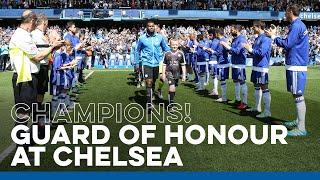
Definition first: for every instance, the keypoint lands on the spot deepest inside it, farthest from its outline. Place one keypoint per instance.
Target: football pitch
(104, 86)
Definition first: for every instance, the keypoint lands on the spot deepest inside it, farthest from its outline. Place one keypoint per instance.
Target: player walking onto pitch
(149, 47)
(296, 45)
(172, 63)
(261, 51)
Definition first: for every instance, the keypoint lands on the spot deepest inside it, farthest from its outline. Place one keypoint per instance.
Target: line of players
(208, 56)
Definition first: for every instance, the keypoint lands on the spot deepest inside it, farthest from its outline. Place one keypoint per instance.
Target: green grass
(300, 154)
(6, 102)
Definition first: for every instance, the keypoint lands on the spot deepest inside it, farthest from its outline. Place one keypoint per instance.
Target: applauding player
(261, 51)
(223, 64)
(297, 57)
(213, 62)
(238, 60)
(203, 57)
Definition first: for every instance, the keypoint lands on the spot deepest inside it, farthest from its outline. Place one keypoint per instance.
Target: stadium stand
(107, 40)
(246, 5)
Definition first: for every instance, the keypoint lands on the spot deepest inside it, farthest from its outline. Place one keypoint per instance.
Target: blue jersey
(221, 52)
(150, 49)
(67, 58)
(191, 43)
(238, 52)
(73, 39)
(59, 76)
(203, 55)
(261, 51)
(80, 56)
(213, 46)
(190, 56)
(55, 69)
(296, 44)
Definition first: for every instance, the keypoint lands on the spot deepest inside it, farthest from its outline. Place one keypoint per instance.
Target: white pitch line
(87, 76)
(4, 154)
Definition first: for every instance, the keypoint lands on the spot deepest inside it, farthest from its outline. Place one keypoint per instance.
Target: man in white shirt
(26, 66)
(42, 43)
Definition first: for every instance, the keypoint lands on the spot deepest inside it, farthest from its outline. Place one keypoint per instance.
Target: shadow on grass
(203, 93)
(131, 80)
(189, 85)
(268, 121)
(140, 98)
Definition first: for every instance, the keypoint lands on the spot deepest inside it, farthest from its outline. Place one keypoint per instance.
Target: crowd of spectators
(116, 42)
(248, 5)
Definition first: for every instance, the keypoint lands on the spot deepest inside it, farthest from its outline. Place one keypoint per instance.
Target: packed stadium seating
(107, 39)
(247, 5)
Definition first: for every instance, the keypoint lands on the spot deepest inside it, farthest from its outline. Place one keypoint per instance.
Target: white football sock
(266, 99)
(202, 81)
(199, 82)
(258, 96)
(244, 89)
(224, 90)
(207, 77)
(301, 113)
(215, 84)
(237, 91)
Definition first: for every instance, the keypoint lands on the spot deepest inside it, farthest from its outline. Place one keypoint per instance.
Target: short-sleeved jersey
(173, 62)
